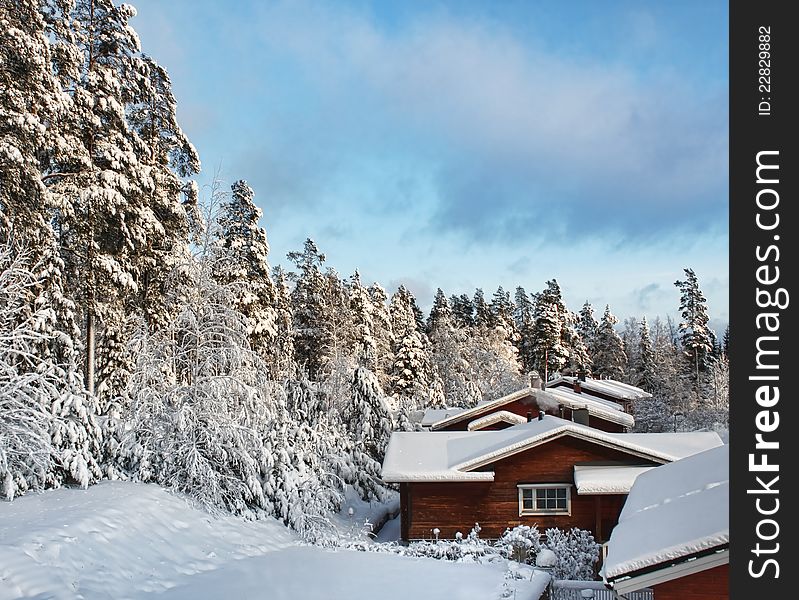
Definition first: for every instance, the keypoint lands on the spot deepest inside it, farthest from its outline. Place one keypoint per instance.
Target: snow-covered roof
(501, 416)
(453, 456)
(482, 408)
(433, 415)
(673, 513)
(597, 407)
(611, 387)
(606, 479)
(429, 456)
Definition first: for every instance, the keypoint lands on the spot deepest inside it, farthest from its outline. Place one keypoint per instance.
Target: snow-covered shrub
(522, 543)
(27, 385)
(577, 553)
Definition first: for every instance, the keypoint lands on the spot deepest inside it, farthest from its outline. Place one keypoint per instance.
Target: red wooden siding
(711, 584)
(453, 507)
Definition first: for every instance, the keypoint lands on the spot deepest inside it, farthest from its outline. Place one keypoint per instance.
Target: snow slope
(123, 540)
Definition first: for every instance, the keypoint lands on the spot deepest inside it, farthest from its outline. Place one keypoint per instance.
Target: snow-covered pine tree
(240, 253)
(462, 310)
(382, 333)
(369, 422)
(609, 357)
(311, 345)
(579, 361)
(482, 312)
(283, 364)
(411, 373)
(439, 312)
(696, 338)
(364, 345)
(646, 368)
(587, 328)
(549, 312)
(449, 348)
(524, 321)
(167, 158)
(630, 337)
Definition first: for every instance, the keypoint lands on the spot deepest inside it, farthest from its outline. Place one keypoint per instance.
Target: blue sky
(466, 144)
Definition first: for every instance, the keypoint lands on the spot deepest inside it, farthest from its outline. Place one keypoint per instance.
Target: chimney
(580, 415)
(540, 415)
(578, 388)
(581, 375)
(529, 416)
(535, 380)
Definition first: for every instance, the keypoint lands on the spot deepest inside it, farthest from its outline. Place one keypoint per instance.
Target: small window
(545, 499)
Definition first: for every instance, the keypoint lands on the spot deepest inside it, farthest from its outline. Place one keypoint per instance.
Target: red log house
(549, 472)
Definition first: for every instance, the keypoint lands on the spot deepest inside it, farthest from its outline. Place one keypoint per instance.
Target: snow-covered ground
(124, 540)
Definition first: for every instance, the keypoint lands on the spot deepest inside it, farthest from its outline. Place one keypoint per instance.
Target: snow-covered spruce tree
(501, 309)
(579, 360)
(645, 368)
(548, 349)
(449, 347)
(439, 312)
(364, 345)
(609, 357)
(411, 374)
(630, 337)
(482, 312)
(241, 250)
(493, 363)
(524, 320)
(382, 334)
(587, 327)
(696, 338)
(283, 365)
(462, 310)
(315, 297)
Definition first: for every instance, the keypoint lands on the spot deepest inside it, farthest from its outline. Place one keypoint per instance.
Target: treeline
(144, 335)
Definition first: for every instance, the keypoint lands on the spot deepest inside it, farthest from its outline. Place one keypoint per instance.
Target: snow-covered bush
(522, 543)
(577, 553)
(27, 386)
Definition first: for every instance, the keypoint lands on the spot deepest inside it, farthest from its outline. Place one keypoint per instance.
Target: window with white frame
(545, 499)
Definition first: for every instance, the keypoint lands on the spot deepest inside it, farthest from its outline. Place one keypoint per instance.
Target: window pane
(527, 503)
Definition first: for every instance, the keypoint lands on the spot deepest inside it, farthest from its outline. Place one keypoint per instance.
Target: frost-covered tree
(630, 337)
(696, 337)
(48, 432)
(549, 311)
(439, 312)
(645, 368)
(524, 320)
(482, 312)
(198, 412)
(308, 299)
(462, 310)
(370, 419)
(609, 357)
(282, 362)
(587, 327)
(240, 252)
(449, 354)
(364, 345)
(382, 333)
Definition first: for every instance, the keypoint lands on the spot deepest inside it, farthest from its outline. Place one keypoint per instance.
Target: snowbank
(124, 540)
